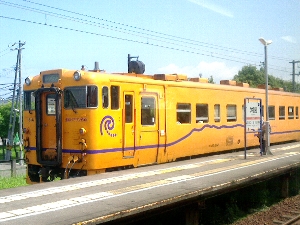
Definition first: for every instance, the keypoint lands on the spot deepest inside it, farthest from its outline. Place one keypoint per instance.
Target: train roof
(178, 80)
(181, 80)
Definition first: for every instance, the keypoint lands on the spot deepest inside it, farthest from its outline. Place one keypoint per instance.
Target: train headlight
(82, 131)
(28, 81)
(77, 75)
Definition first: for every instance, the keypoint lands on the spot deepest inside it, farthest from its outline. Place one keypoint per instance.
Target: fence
(11, 168)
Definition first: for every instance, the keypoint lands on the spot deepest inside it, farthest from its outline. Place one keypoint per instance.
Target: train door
(149, 134)
(48, 126)
(129, 125)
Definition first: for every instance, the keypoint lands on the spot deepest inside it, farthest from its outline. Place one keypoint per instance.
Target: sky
(192, 37)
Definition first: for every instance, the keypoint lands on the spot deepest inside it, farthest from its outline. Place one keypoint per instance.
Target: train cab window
(147, 111)
(217, 113)
(231, 113)
(92, 96)
(29, 100)
(282, 112)
(128, 108)
(105, 101)
(115, 96)
(291, 112)
(297, 113)
(271, 112)
(51, 106)
(183, 113)
(201, 113)
(81, 97)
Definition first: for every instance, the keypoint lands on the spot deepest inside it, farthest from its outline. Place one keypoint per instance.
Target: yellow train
(79, 122)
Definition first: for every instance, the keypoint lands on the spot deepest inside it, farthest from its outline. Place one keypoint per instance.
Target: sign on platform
(252, 116)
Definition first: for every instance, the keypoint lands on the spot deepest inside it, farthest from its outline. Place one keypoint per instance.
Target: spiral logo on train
(107, 124)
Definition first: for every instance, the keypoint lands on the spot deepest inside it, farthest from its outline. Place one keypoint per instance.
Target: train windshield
(81, 97)
(29, 100)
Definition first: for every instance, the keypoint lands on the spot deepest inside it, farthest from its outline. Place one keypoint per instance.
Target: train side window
(297, 113)
(272, 112)
(231, 113)
(29, 100)
(217, 112)
(92, 96)
(147, 111)
(183, 113)
(291, 112)
(128, 108)
(115, 96)
(201, 113)
(282, 112)
(105, 101)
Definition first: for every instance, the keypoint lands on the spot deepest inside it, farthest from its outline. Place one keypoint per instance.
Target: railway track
(289, 218)
(285, 212)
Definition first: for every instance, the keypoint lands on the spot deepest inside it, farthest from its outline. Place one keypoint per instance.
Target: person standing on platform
(263, 137)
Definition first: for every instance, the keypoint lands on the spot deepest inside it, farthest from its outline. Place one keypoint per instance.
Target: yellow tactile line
(287, 147)
(62, 204)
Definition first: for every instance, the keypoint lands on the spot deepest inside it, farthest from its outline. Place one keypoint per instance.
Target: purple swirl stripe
(108, 124)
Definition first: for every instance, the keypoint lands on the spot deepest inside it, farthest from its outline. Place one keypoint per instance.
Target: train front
(50, 100)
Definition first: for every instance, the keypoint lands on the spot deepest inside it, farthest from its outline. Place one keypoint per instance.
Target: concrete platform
(105, 197)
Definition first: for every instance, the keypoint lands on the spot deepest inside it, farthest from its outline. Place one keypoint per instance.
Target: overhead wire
(5, 52)
(76, 19)
(123, 39)
(87, 22)
(118, 29)
(205, 44)
(210, 54)
(180, 39)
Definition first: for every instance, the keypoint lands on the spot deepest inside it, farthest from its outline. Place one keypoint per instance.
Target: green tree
(5, 110)
(251, 75)
(1, 118)
(254, 77)
(211, 80)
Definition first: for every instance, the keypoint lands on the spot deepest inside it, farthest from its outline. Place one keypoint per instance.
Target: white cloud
(218, 70)
(289, 39)
(212, 7)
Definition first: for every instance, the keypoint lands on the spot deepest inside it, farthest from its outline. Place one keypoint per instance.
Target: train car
(79, 122)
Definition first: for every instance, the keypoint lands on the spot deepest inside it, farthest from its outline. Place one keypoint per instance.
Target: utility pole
(12, 118)
(293, 74)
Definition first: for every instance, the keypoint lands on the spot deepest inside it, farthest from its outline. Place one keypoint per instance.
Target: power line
(4, 54)
(187, 43)
(118, 38)
(4, 50)
(6, 84)
(126, 31)
(212, 54)
(184, 40)
(114, 28)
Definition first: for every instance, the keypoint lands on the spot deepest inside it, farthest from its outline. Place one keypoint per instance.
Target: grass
(11, 182)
